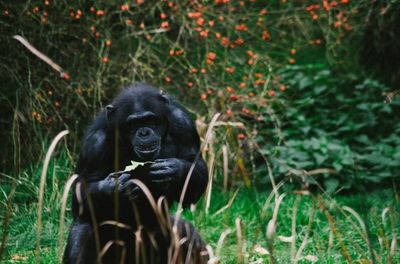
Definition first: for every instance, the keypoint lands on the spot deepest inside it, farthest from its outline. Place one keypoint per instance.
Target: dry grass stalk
(225, 166)
(294, 217)
(220, 242)
(305, 240)
(363, 230)
(211, 166)
(206, 140)
(41, 189)
(271, 227)
(108, 245)
(40, 55)
(229, 204)
(239, 239)
(393, 244)
(67, 188)
(332, 225)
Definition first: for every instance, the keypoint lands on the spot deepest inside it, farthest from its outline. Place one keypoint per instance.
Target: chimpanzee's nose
(144, 132)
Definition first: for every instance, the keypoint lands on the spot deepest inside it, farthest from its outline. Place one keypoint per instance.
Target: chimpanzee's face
(142, 121)
(145, 134)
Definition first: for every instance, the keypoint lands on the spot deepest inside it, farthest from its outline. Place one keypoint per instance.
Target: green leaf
(136, 164)
(305, 82)
(331, 184)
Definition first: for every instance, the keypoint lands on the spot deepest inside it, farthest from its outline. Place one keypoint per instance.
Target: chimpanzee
(113, 220)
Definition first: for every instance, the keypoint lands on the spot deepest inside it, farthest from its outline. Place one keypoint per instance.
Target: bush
(217, 56)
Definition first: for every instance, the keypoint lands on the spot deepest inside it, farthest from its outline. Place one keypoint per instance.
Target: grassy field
(240, 226)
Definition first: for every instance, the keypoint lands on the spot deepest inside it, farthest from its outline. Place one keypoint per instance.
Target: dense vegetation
(308, 96)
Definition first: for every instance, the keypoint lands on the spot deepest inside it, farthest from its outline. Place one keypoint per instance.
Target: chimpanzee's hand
(125, 186)
(166, 171)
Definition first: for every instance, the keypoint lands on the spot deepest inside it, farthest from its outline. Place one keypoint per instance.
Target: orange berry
(108, 42)
(241, 136)
(230, 89)
(230, 70)
(239, 41)
(293, 51)
(241, 27)
(167, 79)
(224, 41)
(262, 12)
(104, 59)
(124, 7)
(200, 21)
(250, 94)
(65, 76)
(211, 56)
(203, 97)
(190, 84)
(246, 110)
(204, 33)
(282, 87)
(260, 82)
(265, 35)
(163, 16)
(292, 61)
(271, 93)
(100, 13)
(165, 25)
(229, 112)
(194, 14)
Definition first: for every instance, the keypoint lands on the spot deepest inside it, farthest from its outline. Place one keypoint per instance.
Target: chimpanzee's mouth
(147, 152)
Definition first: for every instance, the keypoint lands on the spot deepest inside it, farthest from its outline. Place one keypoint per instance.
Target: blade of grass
(67, 188)
(41, 189)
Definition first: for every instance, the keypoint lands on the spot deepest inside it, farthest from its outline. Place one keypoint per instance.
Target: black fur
(141, 124)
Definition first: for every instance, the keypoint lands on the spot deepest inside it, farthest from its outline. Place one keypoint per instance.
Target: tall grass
(240, 227)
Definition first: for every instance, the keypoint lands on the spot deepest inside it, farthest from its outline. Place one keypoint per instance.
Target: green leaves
(338, 123)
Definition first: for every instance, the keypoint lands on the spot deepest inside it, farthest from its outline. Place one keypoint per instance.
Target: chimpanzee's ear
(164, 97)
(110, 109)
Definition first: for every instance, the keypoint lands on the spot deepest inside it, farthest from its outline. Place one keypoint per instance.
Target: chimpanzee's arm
(186, 139)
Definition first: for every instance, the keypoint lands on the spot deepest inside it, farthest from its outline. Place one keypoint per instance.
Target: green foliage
(338, 124)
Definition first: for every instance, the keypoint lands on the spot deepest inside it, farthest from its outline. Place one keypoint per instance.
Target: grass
(243, 215)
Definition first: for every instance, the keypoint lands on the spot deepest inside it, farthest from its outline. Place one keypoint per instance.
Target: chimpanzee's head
(140, 115)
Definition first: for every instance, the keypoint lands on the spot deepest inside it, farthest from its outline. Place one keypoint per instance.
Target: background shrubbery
(308, 90)
(290, 77)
